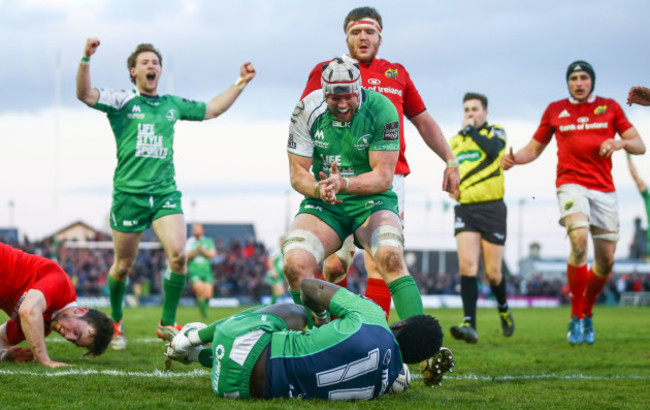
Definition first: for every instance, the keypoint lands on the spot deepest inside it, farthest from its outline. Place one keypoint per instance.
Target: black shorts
(487, 218)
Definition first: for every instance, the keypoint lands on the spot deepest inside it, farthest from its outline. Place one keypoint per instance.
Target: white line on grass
(140, 340)
(202, 373)
(88, 372)
(539, 376)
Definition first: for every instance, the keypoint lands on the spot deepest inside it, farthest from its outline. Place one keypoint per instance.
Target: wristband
(84, 60)
(452, 163)
(322, 315)
(347, 184)
(240, 83)
(317, 191)
(3, 353)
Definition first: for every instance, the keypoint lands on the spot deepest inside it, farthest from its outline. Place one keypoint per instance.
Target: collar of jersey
(154, 97)
(590, 99)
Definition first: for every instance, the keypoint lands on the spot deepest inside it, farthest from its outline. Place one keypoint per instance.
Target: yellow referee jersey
(479, 153)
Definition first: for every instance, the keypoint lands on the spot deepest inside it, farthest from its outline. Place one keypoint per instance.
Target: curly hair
(103, 326)
(141, 48)
(419, 338)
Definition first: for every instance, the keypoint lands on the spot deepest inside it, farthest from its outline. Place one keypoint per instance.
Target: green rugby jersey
(199, 262)
(143, 127)
(315, 132)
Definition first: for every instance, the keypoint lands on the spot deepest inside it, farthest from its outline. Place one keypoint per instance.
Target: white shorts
(600, 207)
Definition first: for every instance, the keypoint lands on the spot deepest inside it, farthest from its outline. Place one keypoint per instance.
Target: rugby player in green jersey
(200, 251)
(263, 352)
(144, 188)
(343, 145)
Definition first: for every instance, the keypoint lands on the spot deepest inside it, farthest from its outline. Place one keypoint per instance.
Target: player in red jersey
(363, 27)
(585, 127)
(39, 297)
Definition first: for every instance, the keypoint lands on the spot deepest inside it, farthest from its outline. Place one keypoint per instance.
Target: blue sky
(60, 154)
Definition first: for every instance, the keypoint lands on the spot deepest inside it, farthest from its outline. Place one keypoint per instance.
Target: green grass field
(536, 368)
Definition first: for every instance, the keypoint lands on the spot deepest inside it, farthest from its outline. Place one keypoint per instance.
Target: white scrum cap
(341, 77)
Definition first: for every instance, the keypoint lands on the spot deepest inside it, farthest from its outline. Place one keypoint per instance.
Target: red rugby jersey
(20, 272)
(580, 129)
(390, 79)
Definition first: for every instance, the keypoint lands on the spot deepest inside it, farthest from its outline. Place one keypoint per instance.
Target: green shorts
(134, 213)
(203, 275)
(236, 346)
(347, 216)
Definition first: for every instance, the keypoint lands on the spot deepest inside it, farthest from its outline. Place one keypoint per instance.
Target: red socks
(595, 285)
(577, 278)
(378, 292)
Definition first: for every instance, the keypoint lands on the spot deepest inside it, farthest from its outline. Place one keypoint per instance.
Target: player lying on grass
(39, 297)
(264, 353)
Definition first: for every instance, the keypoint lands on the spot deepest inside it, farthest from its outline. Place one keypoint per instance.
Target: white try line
(205, 373)
(139, 340)
(120, 373)
(539, 377)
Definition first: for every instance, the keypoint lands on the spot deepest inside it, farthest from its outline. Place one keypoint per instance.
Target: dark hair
(582, 65)
(476, 96)
(103, 326)
(419, 338)
(361, 12)
(141, 48)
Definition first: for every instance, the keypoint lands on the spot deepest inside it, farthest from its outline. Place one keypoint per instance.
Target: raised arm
(85, 91)
(527, 154)
(31, 321)
(433, 137)
(220, 104)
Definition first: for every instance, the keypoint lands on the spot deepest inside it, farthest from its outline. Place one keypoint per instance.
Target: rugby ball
(402, 382)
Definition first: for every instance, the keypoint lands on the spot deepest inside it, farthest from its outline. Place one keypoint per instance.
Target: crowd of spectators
(240, 268)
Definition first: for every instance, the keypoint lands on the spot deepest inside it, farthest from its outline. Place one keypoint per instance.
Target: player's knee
(120, 268)
(177, 260)
(579, 251)
(295, 270)
(333, 268)
(389, 260)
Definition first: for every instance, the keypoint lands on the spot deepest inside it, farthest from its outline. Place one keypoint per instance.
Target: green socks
(173, 285)
(295, 294)
(116, 297)
(406, 297)
(203, 307)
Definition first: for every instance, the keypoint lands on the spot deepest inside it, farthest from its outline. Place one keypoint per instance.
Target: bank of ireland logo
(362, 143)
(391, 73)
(373, 81)
(171, 115)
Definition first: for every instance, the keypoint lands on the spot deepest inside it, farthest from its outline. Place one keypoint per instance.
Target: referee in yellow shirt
(480, 216)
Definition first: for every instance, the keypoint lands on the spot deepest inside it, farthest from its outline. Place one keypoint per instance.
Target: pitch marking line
(87, 372)
(203, 373)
